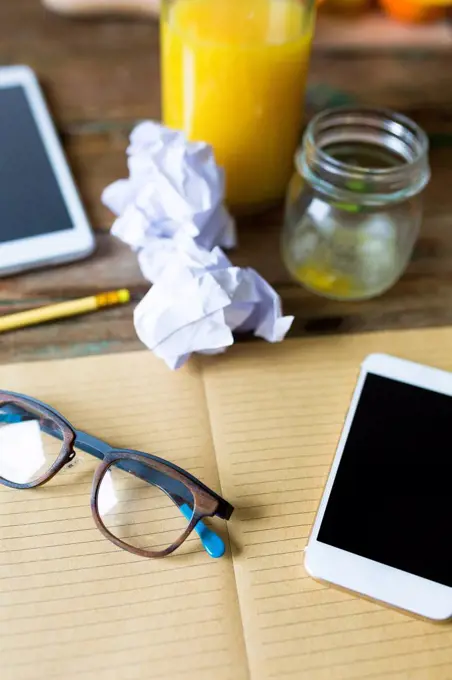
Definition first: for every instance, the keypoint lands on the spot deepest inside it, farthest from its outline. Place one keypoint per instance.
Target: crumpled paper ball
(174, 187)
(198, 301)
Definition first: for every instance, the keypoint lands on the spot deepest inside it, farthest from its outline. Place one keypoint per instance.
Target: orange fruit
(410, 11)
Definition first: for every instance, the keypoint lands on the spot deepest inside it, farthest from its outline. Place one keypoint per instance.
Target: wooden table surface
(100, 76)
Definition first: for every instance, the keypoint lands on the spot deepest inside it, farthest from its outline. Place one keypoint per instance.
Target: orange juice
(234, 75)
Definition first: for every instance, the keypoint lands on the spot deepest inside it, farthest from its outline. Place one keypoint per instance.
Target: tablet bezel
(56, 247)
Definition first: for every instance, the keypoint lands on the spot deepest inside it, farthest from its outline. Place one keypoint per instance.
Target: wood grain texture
(101, 76)
(90, 7)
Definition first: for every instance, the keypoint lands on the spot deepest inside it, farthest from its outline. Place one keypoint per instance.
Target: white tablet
(384, 524)
(42, 220)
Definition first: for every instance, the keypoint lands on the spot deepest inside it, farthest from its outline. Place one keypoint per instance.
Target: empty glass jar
(353, 207)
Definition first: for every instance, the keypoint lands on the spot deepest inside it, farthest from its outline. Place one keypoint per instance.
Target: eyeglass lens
(29, 444)
(140, 513)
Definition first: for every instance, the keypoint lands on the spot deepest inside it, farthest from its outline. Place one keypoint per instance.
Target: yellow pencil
(62, 310)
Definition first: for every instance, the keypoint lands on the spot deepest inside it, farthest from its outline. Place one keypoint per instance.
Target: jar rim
(379, 127)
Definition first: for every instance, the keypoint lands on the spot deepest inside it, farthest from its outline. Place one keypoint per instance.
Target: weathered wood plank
(102, 76)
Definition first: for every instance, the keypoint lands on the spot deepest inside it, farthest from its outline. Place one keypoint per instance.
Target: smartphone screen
(31, 202)
(391, 500)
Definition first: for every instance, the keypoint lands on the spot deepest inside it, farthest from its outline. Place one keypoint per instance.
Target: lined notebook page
(276, 415)
(72, 605)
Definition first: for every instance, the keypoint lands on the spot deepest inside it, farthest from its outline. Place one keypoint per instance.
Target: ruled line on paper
(323, 634)
(372, 660)
(225, 664)
(131, 648)
(285, 468)
(307, 474)
(142, 562)
(232, 393)
(280, 527)
(241, 511)
(100, 593)
(99, 630)
(418, 669)
(282, 413)
(273, 596)
(281, 459)
(264, 584)
(272, 554)
(290, 624)
(273, 567)
(275, 434)
(189, 655)
(317, 605)
(116, 562)
(114, 604)
(57, 648)
(281, 491)
(279, 448)
(351, 645)
(302, 421)
(145, 615)
(162, 667)
(279, 516)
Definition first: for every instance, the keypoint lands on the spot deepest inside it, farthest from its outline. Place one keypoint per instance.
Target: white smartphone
(384, 524)
(42, 220)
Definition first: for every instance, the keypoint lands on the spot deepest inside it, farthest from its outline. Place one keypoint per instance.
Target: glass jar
(234, 75)
(353, 208)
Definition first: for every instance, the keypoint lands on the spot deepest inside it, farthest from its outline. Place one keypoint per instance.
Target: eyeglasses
(140, 502)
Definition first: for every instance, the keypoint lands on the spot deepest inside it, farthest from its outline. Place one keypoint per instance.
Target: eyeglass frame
(206, 503)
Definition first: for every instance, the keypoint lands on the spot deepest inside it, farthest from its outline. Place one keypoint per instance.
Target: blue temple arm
(178, 492)
(213, 544)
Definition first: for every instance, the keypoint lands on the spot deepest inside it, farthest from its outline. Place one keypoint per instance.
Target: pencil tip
(123, 295)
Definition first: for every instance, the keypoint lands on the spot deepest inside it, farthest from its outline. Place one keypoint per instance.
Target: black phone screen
(31, 202)
(391, 500)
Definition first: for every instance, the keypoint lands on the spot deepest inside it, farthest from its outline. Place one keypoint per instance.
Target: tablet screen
(30, 197)
(391, 497)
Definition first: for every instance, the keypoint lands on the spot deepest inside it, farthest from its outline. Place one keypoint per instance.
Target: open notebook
(259, 424)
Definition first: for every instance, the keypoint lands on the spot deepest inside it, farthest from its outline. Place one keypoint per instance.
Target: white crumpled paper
(174, 188)
(170, 211)
(199, 300)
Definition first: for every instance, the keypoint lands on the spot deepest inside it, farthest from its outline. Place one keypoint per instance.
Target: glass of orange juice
(234, 75)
